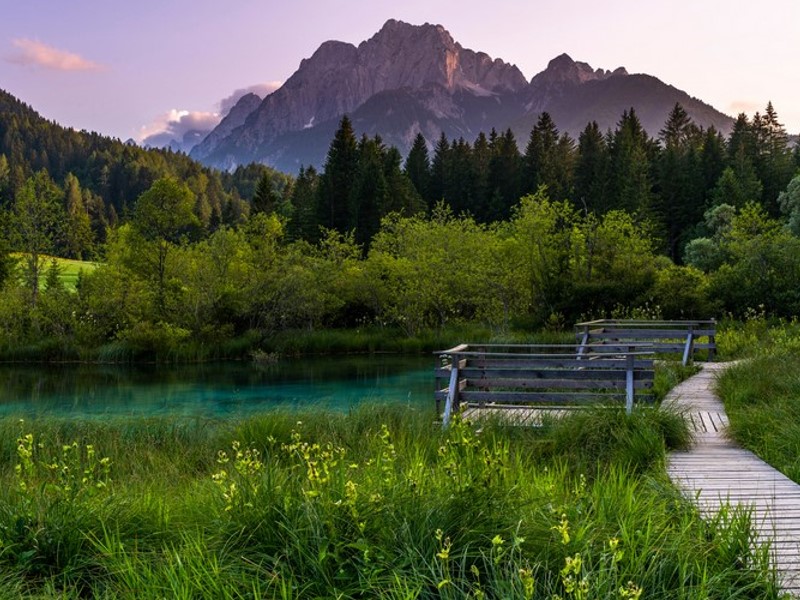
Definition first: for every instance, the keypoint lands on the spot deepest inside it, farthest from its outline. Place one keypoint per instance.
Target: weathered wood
(570, 384)
(575, 373)
(663, 336)
(715, 473)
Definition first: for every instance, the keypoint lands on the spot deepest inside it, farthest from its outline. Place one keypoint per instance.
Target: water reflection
(216, 389)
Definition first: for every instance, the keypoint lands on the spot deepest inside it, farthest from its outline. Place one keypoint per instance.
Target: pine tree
(591, 171)
(369, 194)
(679, 203)
(505, 176)
(303, 224)
(481, 166)
(265, 199)
(540, 154)
(334, 210)
(441, 166)
(78, 234)
(418, 167)
(631, 186)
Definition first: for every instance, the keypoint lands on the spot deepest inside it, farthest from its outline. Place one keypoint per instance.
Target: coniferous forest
(504, 233)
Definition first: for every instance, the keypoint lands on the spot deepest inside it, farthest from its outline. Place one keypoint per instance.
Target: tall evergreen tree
(678, 205)
(461, 188)
(631, 186)
(505, 176)
(334, 210)
(591, 171)
(418, 166)
(303, 224)
(541, 156)
(78, 234)
(481, 167)
(369, 194)
(774, 162)
(265, 198)
(441, 166)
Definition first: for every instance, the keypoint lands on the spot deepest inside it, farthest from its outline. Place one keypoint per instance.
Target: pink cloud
(31, 53)
(170, 128)
(744, 106)
(261, 90)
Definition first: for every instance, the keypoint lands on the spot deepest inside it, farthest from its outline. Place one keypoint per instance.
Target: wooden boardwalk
(716, 471)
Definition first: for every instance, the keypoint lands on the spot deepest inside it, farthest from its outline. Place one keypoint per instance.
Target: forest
(192, 262)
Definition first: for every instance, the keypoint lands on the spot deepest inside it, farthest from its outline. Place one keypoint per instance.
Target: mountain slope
(408, 79)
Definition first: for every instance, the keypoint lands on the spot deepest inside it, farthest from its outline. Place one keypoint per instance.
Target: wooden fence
(668, 337)
(540, 377)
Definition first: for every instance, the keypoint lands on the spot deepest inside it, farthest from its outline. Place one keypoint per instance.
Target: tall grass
(380, 503)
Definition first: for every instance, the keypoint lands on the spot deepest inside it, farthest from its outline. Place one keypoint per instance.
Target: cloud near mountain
(183, 129)
(32, 53)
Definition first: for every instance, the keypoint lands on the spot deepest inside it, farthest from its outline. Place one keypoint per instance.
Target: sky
(133, 69)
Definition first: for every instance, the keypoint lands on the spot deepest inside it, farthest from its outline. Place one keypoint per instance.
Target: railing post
(712, 342)
(687, 351)
(584, 341)
(629, 358)
(452, 391)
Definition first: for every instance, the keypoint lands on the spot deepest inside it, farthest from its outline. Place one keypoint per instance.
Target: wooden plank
(588, 373)
(536, 397)
(638, 334)
(581, 384)
(561, 363)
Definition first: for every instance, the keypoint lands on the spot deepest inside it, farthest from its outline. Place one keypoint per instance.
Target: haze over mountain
(408, 79)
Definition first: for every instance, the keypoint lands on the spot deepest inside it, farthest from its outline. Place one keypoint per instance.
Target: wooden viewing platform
(716, 472)
(524, 382)
(683, 337)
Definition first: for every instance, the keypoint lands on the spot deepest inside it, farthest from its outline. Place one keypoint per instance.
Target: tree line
(478, 232)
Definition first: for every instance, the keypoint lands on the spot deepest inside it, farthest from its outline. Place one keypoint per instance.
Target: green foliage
(761, 393)
(373, 504)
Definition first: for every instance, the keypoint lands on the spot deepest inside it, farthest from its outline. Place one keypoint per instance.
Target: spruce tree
(303, 224)
(265, 198)
(334, 210)
(505, 176)
(591, 171)
(418, 167)
(441, 166)
(631, 186)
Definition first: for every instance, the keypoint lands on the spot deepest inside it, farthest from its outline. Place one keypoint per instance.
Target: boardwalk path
(716, 471)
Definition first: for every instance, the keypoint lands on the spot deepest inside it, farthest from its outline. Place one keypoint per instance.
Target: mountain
(408, 79)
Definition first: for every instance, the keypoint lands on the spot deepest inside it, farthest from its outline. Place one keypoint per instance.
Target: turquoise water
(214, 390)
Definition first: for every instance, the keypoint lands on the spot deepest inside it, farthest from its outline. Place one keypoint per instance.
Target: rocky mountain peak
(562, 69)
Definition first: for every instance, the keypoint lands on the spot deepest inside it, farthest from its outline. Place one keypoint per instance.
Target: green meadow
(378, 503)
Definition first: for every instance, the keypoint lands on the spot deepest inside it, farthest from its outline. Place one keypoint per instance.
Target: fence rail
(685, 337)
(540, 376)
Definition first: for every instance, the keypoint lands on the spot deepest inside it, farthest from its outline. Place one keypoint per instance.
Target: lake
(214, 389)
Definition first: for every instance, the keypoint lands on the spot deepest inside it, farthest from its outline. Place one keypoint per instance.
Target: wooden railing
(543, 376)
(668, 337)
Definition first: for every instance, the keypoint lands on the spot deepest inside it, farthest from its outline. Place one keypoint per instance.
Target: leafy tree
(36, 218)
(789, 202)
(163, 216)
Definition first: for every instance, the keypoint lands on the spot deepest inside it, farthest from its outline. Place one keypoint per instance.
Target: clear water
(214, 390)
